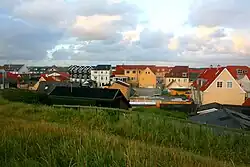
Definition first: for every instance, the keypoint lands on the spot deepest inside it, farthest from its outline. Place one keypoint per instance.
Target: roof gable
(147, 71)
(218, 74)
(173, 84)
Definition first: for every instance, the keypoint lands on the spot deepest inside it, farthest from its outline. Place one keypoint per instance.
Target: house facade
(147, 79)
(218, 85)
(79, 73)
(16, 68)
(4, 83)
(131, 73)
(101, 74)
(179, 74)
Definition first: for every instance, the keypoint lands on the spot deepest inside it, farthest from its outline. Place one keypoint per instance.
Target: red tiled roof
(62, 77)
(247, 102)
(177, 72)
(162, 68)
(10, 75)
(196, 70)
(209, 76)
(131, 67)
(233, 70)
(119, 69)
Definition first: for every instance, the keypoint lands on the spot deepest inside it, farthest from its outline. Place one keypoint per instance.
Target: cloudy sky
(170, 32)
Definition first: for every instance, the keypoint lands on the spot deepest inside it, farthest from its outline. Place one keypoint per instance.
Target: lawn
(37, 135)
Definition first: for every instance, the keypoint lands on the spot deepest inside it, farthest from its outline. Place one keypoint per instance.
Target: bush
(25, 96)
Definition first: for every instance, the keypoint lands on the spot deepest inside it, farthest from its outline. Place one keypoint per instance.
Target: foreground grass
(43, 136)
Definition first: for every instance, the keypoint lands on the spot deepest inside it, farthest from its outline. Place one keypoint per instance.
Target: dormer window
(245, 71)
(184, 74)
(239, 71)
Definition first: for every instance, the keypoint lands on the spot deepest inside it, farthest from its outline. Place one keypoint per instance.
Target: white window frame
(184, 74)
(238, 71)
(231, 84)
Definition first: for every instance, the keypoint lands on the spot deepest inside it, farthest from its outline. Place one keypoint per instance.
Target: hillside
(36, 135)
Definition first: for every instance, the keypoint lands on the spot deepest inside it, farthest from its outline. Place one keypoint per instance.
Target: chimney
(218, 66)
(211, 66)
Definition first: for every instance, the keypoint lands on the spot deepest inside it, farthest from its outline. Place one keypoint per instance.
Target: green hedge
(25, 96)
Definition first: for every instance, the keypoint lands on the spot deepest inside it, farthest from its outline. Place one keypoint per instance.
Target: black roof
(88, 93)
(103, 67)
(13, 67)
(48, 86)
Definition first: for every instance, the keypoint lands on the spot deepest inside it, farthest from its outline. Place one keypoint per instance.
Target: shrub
(25, 96)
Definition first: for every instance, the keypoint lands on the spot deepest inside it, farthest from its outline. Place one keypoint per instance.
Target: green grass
(36, 135)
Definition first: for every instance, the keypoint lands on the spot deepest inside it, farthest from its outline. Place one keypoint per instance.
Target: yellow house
(179, 74)
(147, 79)
(176, 89)
(218, 85)
(132, 72)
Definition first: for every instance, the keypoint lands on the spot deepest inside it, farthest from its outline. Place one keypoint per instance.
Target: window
(134, 72)
(239, 71)
(184, 74)
(127, 72)
(101, 72)
(101, 78)
(219, 84)
(169, 80)
(179, 80)
(95, 72)
(229, 84)
(148, 72)
(245, 71)
(106, 78)
(46, 87)
(185, 80)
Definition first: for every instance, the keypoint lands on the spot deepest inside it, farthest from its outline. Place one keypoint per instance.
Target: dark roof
(103, 67)
(122, 83)
(178, 71)
(90, 93)
(13, 67)
(147, 91)
(48, 86)
(223, 117)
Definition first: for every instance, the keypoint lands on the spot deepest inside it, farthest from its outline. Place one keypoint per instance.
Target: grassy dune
(35, 135)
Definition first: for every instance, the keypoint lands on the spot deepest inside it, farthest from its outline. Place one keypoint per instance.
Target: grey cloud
(149, 39)
(218, 33)
(21, 42)
(226, 13)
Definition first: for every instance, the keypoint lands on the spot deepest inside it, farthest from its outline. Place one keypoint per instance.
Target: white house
(16, 68)
(101, 74)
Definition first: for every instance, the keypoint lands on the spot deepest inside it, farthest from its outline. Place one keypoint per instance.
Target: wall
(184, 82)
(23, 70)
(147, 79)
(224, 95)
(102, 77)
(133, 75)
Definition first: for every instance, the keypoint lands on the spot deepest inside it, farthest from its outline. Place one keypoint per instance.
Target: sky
(161, 32)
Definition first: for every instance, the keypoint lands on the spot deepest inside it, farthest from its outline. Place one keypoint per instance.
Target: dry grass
(42, 136)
